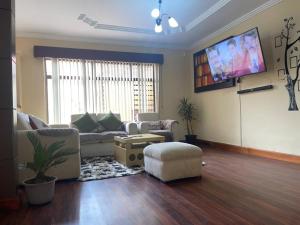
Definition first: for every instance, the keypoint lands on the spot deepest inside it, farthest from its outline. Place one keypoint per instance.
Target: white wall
(259, 120)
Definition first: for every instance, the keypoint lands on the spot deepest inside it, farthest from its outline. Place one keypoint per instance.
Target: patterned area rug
(98, 168)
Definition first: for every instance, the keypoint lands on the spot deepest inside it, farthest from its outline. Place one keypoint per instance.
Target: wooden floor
(234, 189)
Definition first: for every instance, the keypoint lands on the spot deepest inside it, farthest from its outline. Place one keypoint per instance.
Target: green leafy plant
(46, 157)
(187, 111)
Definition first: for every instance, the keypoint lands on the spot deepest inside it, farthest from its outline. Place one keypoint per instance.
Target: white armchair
(68, 170)
(151, 123)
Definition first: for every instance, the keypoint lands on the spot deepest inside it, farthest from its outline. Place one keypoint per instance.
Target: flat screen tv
(236, 56)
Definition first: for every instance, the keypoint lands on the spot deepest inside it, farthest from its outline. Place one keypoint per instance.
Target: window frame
(155, 83)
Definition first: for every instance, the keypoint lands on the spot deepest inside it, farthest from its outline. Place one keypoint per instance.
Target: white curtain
(78, 86)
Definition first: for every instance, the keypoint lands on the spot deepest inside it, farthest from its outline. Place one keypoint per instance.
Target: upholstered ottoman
(173, 160)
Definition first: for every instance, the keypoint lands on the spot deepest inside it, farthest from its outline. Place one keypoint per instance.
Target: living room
(246, 126)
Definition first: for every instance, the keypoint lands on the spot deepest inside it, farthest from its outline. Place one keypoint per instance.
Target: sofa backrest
(101, 115)
(75, 117)
(95, 116)
(148, 116)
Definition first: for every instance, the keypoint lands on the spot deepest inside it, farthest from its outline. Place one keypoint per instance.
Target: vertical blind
(77, 86)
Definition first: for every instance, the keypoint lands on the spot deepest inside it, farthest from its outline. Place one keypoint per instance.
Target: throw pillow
(86, 124)
(110, 122)
(23, 122)
(99, 129)
(154, 125)
(36, 123)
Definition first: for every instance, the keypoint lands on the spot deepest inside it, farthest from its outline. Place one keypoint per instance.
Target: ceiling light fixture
(158, 16)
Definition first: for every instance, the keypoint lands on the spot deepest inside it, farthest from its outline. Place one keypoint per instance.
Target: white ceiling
(129, 21)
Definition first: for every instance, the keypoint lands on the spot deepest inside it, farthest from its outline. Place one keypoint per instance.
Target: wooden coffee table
(129, 149)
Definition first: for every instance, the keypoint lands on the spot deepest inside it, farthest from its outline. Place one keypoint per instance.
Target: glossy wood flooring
(234, 189)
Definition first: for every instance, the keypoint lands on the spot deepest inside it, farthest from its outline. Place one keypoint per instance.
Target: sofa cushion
(111, 123)
(112, 134)
(92, 138)
(154, 125)
(37, 123)
(99, 129)
(172, 151)
(86, 124)
(23, 121)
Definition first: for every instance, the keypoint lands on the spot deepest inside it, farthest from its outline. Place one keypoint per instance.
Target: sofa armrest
(143, 127)
(57, 132)
(169, 124)
(67, 170)
(131, 128)
(59, 126)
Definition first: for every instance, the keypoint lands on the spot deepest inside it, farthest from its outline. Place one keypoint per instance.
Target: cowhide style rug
(98, 168)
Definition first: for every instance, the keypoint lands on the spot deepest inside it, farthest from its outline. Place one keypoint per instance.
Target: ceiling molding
(236, 22)
(124, 29)
(153, 44)
(209, 12)
(94, 24)
(149, 44)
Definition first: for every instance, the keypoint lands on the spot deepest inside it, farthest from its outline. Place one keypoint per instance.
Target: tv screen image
(236, 56)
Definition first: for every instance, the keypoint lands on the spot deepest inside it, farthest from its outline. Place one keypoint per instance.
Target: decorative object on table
(40, 189)
(290, 49)
(203, 79)
(158, 16)
(187, 111)
(104, 167)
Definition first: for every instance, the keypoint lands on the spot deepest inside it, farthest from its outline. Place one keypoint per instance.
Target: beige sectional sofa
(87, 144)
(101, 144)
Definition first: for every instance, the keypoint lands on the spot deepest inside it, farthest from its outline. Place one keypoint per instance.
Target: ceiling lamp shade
(158, 28)
(155, 13)
(172, 22)
(158, 15)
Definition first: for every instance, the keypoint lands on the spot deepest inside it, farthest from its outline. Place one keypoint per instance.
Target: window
(78, 86)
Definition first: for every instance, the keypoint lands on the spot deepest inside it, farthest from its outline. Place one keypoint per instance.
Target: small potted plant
(187, 111)
(40, 189)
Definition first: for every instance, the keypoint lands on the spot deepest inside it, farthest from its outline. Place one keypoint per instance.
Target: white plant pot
(41, 193)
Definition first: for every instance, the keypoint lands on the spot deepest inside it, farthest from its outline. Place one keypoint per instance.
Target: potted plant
(186, 111)
(40, 189)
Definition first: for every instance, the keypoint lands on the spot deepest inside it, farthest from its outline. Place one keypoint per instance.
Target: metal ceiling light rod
(156, 13)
